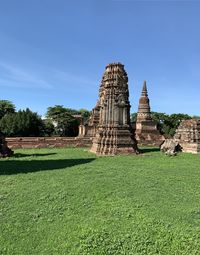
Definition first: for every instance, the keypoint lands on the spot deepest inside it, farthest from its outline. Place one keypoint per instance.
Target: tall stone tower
(113, 134)
(146, 129)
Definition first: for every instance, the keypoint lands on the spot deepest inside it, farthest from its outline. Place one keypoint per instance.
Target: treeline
(58, 121)
(167, 124)
(61, 121)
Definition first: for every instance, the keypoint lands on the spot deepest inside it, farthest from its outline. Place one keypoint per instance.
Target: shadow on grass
(28, 166)
(23, 155)
(146, 150)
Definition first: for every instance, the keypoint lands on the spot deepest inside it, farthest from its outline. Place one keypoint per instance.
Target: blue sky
(55, 51)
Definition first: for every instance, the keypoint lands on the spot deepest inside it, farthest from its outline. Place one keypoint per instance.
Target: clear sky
(55, 51)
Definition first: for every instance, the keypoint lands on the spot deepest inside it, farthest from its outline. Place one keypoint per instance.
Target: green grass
(67, 201)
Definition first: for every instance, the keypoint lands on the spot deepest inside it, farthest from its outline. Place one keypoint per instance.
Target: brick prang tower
(113, 135)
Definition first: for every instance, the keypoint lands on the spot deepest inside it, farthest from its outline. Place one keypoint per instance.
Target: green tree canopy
(85, 113)
(22, 123)
(133, 117)
(169, 123)
(65, 124)
(48, 128)
(55, 112)
(6, 107)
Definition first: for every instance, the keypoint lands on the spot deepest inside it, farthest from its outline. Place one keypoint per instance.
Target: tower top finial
(144, 90)
(144, 113)
(144, 86)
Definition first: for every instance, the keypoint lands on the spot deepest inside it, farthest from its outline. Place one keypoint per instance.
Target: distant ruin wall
(57, 142)
(47, 142)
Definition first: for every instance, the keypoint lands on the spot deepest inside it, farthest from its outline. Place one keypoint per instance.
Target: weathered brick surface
(113, 134)
(188, 135)
(146, 132)
(47, 142)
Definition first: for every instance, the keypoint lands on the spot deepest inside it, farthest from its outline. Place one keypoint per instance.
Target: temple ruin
(188, 135)
(88, 129)
(146, 131)
(4, 150)
(113, 134)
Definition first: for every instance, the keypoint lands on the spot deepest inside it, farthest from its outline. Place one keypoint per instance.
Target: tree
(175, 120)
(9, 125)
(133, 117)
(85, 113)
(196, 117)
(6, 107)
(162, 120)
(65, 124)
(48, 127)
(55, 112)
(168, 124)
(22, 123)
(72, 111)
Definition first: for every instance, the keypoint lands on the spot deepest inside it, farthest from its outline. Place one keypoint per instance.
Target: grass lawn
(68, 201)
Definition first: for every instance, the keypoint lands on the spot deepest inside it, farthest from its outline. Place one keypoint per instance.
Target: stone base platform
(111, 141)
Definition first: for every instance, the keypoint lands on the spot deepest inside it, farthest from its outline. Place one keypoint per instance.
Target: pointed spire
(145, 86)
(144, 89)
(144, 112)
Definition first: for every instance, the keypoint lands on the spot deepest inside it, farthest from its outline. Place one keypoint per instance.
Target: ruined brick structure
(4, 150)
(113, 134)
(146, 132)
(88, 129)
(188, 135)
(47, 142)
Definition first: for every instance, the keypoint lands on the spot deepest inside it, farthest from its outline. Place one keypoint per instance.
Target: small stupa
(146, 132)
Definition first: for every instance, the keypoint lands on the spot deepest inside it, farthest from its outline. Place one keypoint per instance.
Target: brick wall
(47, 142)
(58, 142)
